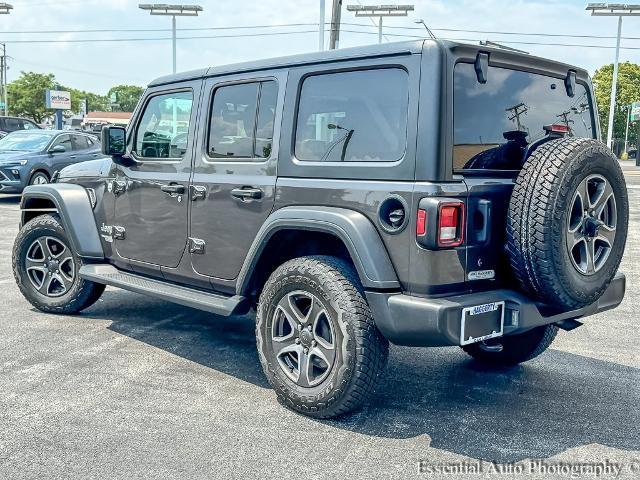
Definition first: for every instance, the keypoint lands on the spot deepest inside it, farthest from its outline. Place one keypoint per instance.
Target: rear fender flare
(356, 231)
(73, 205)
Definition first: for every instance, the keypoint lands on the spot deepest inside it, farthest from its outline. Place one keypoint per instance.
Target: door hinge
(196, 245)
(118, 232)
(117, 187)
(198, 192)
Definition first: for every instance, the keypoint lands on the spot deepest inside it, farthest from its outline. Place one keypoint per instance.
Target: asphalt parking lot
(139, 388)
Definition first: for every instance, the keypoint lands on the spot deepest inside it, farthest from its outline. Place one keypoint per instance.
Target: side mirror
(58, 149)
(113, 140)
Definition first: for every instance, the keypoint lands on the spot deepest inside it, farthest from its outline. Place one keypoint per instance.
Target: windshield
(495, 121)
(24, 142)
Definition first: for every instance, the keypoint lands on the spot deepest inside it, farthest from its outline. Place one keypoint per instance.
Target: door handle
(72, 156)
(247, 193)
(173, 189)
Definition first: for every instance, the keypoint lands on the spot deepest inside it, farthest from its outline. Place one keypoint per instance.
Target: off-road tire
(80, 295)
(515, 348)
(539, 212)
(362, 349)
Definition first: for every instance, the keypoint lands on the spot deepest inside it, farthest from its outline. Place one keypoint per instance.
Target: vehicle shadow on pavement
(554, 403)
(536, 410)
(10, 199)
(226, 344)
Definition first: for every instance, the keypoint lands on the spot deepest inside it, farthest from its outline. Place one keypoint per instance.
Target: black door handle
(173, 189)
(247, 193)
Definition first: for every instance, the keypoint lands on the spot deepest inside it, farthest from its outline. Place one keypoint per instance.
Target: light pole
(422, 22)
(5, 9)
(173, 11)
(614, 10)
(380, 11)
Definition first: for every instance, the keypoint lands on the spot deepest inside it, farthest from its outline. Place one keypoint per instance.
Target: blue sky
(97, 66)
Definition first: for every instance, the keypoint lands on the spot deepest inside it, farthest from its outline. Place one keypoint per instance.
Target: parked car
(353, 197)
(13, 124)
(31, 157)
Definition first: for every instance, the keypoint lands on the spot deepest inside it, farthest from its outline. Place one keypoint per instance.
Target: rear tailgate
(487, 208)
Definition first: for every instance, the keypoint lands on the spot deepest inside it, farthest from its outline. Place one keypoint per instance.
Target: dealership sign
(58, 99)
(635, 112)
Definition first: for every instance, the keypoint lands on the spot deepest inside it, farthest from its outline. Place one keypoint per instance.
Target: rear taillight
(450, 224)
(421, 223)
(440, 223)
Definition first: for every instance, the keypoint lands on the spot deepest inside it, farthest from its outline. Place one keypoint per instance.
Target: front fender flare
(74, 208)
(356, 231)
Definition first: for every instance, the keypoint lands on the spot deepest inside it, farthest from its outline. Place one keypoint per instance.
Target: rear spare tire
(567, 223)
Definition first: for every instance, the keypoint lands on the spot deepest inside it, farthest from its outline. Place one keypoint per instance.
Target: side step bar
(210, 302)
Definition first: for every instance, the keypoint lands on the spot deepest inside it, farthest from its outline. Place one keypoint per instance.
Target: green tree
(628, 91)
(96, 103)
(26, 95)
(127, 97)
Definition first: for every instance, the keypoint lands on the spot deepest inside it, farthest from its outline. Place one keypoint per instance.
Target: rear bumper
(416, 321)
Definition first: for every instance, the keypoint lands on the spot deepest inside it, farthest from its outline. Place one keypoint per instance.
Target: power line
(310, 24)
(157, 39)
(120, 30)
(500, 41)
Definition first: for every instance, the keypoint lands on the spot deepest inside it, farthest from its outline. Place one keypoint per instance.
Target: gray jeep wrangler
(425, 194)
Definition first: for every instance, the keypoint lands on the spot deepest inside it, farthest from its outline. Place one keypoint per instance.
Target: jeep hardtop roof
(452, 49)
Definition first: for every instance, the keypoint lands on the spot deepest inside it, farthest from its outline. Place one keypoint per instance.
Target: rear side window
(241, 122)
(357, 116)
(495, 121)
(79, 142)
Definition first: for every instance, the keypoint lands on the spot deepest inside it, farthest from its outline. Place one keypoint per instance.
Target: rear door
(82, 149)
(151, 206)
(234, 175)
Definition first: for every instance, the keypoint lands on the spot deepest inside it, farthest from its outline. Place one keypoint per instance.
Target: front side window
(65, 141)
(357, 116)
(495, 121)
(241, 121)
(163, 130)
(29, 125)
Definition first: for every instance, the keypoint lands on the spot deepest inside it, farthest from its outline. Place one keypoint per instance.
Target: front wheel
(46, 268)
(317, 342)
(39, 178)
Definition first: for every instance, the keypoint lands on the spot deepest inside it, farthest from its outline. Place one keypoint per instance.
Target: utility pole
(583, 108)
(564, 117)
(518, 110)
(336, 11)
(321, 27)
(2, 80)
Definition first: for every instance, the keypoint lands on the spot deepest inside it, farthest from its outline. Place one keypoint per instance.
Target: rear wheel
(513, 349)
(317, 342)
(46, 268)
(39, 178)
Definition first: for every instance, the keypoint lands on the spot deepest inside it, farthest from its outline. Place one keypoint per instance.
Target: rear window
(495, 121)
(357, 116)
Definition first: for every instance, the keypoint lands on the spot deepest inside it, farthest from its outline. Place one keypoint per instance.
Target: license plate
(481, 322)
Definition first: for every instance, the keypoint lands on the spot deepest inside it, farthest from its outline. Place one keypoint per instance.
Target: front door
(151, 205)
(234, 178)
